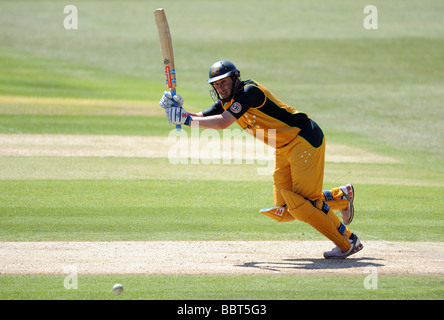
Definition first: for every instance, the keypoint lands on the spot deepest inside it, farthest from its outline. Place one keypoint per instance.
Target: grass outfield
(109, 210)
(377, 90)
(222, 288)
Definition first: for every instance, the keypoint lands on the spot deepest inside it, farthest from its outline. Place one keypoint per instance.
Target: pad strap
(328, 195)
(325, 208)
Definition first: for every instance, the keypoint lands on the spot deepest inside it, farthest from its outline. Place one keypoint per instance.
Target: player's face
(223, 87)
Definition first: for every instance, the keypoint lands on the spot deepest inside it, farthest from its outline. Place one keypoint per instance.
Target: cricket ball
(118, 288)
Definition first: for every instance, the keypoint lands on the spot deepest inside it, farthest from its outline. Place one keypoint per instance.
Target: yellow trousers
(299, 168)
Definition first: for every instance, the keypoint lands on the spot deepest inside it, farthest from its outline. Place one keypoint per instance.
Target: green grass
(221, 288)
(129, 210)
(82, 124)
(22, 75)
(378, 90)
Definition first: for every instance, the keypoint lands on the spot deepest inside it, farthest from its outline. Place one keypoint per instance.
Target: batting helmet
(222, 69)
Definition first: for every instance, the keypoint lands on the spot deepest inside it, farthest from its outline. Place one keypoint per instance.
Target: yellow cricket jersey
(259, 112)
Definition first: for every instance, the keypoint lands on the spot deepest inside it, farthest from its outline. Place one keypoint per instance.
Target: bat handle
(173, 93)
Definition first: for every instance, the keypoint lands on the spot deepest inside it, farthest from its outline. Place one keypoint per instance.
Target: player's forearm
(193, 114)
(218, 121)
(210, 122)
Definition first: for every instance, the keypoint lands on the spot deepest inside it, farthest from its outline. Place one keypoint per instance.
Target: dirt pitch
(217, 258)
(64, 145)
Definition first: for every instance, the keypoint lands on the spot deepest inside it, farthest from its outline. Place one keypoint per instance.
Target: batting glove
(168, 114)
(168, 100)
(178, 115)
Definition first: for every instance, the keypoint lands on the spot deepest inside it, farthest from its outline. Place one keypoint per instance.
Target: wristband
(188, 120)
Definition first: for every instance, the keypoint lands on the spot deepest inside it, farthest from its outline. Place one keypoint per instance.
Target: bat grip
(173, 93)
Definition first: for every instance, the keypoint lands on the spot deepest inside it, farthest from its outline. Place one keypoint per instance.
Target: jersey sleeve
(216, 108)
(248, 97)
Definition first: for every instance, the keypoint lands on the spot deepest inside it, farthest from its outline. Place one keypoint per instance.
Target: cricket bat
(166, 49)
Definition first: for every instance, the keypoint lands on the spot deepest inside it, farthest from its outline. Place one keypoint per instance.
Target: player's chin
(224, 95)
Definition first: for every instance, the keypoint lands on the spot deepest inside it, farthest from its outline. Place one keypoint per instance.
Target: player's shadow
(313, 264)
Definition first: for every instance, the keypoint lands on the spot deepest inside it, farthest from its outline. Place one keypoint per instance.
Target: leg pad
(325, 223)
(280, 214)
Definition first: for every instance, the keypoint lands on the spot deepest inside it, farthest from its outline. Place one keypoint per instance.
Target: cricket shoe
(349, 212)
(337, 253)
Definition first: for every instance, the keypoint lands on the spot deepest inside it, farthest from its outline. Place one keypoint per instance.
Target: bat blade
(166, 50)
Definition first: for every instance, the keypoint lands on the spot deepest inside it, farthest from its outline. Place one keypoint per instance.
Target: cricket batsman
(300, 153)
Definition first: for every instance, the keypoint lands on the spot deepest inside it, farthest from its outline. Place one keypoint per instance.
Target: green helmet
(222, 69)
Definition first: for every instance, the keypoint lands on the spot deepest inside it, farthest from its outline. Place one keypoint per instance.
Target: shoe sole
(358, 248)
(355, 250)
(349, 214)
